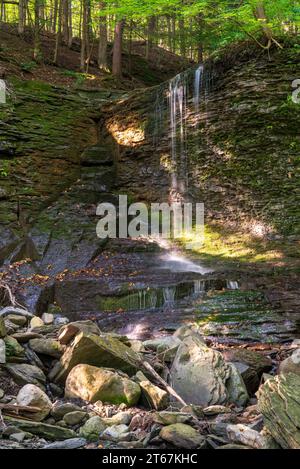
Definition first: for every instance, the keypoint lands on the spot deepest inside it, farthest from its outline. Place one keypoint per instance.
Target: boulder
(155, 397)
(74, 418)
(279, 403)
(50, 432)
(69, 331)
(27, 374)
(33, 396)
(98, 351)
(2, 352)
(200, 375)
(182, 436)
(93, 384)
(49, 347)
(60, 409)
(291, 364)
(92, 429)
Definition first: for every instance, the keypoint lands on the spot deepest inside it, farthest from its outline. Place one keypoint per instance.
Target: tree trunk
(260, 15)
(65, 21)
(117, 50)
(182, 37)
(150, 34)
(102, 50)
(84, 21)
(37, 21)
(58, 35)
(54, 16)
(70, 26)
(22, 16)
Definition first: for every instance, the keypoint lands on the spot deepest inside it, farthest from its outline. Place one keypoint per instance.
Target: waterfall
(197, 87)
(182, 94)
(199, 287)
(232, 285)
(169, 295)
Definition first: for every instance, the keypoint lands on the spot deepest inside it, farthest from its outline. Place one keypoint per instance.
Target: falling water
(232, 285)
(182, 95)
(197, 87)
(199, 287)
(169, 296)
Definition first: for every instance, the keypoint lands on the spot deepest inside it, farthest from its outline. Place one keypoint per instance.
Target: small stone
(182, 436)
(216, 410)
(13, 348)
(48, 318)
(61, 321)
(60, 409)
(32, 396)
(16, 319)
(171, 418)
(36, 322)
(246, 436)
(51, 432)
(72, 443)
(291, 364)
(117, 433)
(24, 337)
(2, 327)
(69, 331)
(92, 429)
(2, 352)
(18, 437)
(49, 347)
(157, 398)
(74, 418)
(121, 418)
(27, 374)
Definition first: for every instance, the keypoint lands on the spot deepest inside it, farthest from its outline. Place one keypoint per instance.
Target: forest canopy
(190, 28)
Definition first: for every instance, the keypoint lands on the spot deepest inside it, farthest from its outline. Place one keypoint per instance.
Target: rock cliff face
(241, 142)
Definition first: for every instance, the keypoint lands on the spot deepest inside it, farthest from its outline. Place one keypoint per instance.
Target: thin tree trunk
(102, 50)
(182, 37)
(83, 52)
(22, 16)
(150, 34)
(37, 41)
(65, 21)
(58, 35)
(117, 50)
(54, 16)
(70, 27)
